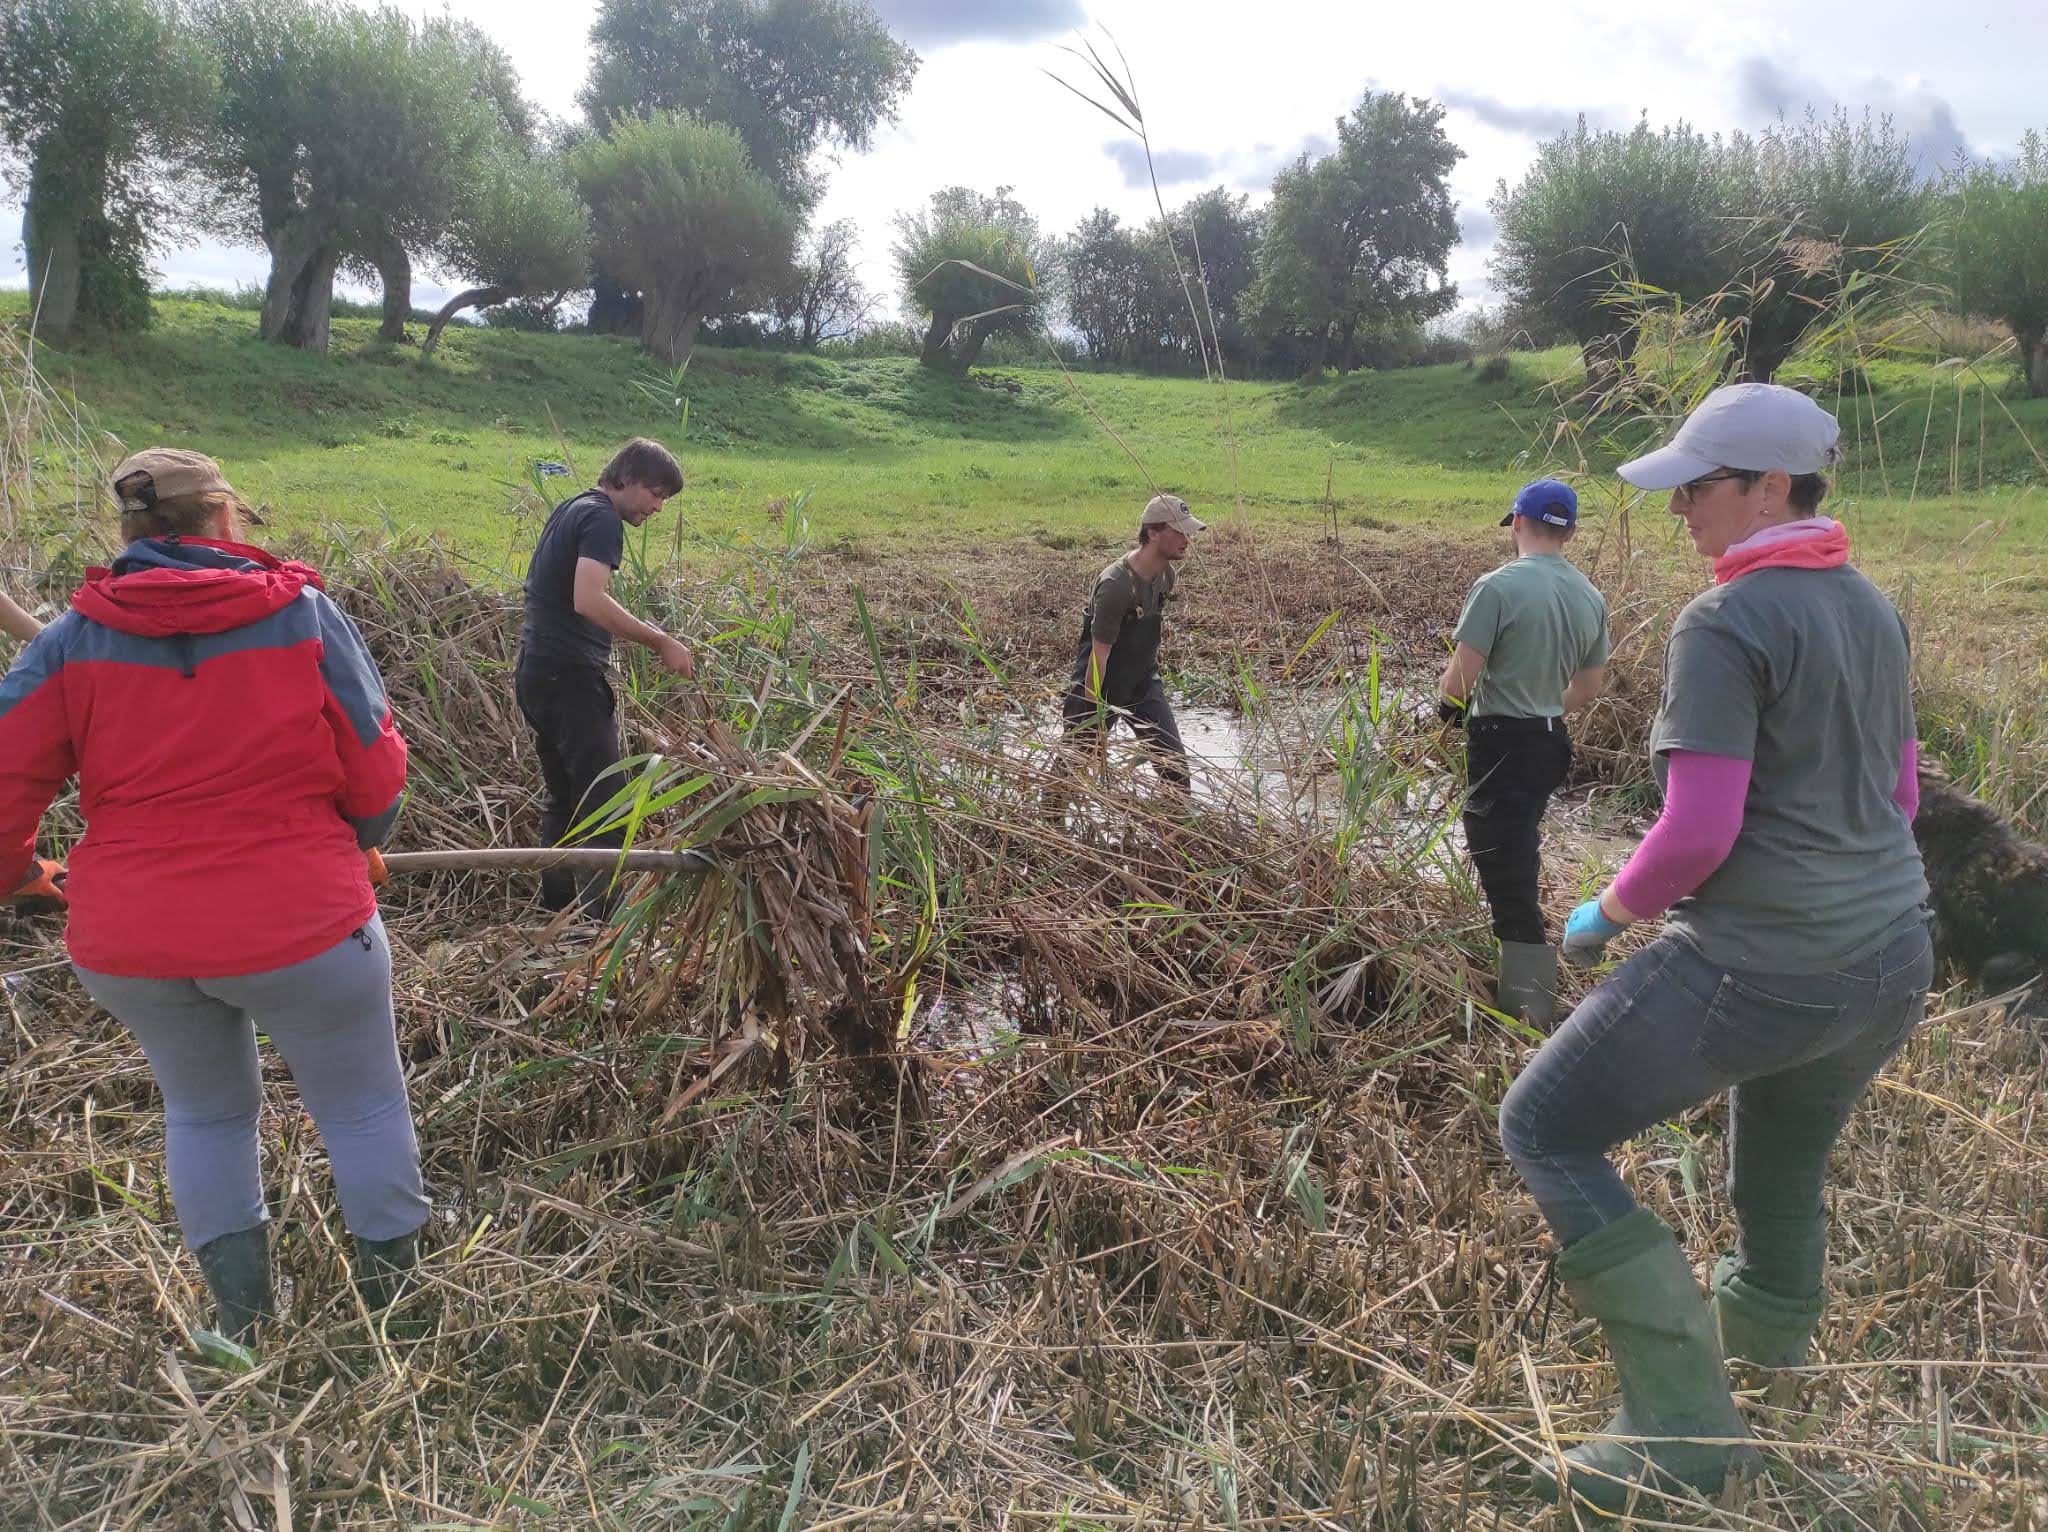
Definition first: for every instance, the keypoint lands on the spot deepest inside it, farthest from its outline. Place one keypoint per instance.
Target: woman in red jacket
(235, 758)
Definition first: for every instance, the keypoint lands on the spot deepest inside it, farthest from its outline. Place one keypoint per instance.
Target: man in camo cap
(1116, 662)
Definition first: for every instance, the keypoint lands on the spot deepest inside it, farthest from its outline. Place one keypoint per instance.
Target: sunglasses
(1690, 491)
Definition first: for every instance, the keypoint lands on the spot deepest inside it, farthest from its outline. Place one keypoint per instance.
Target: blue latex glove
(1587, 934)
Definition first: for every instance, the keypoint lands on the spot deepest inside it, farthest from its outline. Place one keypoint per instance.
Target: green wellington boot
(1761, 1328)
(1527, 982)
(1632, 1277)
(384, 1267)
(237, 1270)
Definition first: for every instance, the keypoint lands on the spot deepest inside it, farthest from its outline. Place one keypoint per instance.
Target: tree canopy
(680, 212)
(823, 298)
(1361, 239)
(786, 75)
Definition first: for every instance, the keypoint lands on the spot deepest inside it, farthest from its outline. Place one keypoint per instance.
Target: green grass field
(893, 457)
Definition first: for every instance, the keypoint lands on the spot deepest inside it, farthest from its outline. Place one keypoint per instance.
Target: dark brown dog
(1989, 892)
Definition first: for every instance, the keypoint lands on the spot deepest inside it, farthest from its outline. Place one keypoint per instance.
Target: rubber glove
(373, 863)
(42, 886)
(1587, 934)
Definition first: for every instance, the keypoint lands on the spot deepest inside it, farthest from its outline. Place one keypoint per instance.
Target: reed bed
(1082, 1162)
(990, 1141)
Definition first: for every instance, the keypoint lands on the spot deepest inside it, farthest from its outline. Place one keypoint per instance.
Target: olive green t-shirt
(1120, 593)
(1539, 622)
(1805, 674)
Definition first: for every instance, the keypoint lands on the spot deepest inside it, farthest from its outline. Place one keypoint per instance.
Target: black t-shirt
(585, 527)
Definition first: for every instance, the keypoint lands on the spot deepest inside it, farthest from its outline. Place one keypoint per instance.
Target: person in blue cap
(1531, 646)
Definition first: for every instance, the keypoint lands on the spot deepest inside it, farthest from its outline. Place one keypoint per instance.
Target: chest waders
(1133, 658)
(1130, 687)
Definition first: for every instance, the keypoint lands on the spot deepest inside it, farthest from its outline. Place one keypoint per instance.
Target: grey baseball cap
(1754, 426)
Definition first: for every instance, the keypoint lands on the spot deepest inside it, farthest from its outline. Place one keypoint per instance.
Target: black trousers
(1513, 765)
(574, 718)
(1151, 718)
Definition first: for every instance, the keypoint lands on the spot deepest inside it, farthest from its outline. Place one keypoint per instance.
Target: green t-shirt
(1539, 622)
(1120, 593)
(1805, 674)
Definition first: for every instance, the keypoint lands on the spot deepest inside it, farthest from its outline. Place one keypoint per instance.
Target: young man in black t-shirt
(565, 646)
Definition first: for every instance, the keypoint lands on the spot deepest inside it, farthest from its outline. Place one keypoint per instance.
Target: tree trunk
(2035, 349)
(394, 269)
(473, 298)
(935, 337)
(970, 348)
(311, 305)
(1346, 356)
(669, 328)
(292, 246)
(1318, 350)
(49, 232)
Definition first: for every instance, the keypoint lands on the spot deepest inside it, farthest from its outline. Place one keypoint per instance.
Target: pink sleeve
(1703, 797)
(1907, 793)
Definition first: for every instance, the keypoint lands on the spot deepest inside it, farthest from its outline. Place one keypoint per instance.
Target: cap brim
(1508, 520)
(1187, 526)
(1666, 468)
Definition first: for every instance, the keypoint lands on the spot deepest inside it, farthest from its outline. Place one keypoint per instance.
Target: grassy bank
(895, 456)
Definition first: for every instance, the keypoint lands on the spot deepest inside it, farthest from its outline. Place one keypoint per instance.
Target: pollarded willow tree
(1598, 218)
(345, 135)
(1998, 233)
(1808, 210)
(972, 266)
(95, 145)
(681, 214)
(519, 230)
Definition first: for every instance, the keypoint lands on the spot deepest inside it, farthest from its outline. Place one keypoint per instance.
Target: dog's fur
(1989, 891)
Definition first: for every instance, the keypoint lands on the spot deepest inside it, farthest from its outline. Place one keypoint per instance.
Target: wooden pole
(536, 858)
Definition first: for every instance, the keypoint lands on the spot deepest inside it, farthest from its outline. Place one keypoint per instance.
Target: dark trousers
(1151, 718)
(1513, 765)
(1672, 1030)
(574, 718)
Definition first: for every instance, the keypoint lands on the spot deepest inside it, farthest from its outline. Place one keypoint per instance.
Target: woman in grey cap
(1795, 956)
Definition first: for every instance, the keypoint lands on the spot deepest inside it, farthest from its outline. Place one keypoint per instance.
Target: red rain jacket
(234, 750)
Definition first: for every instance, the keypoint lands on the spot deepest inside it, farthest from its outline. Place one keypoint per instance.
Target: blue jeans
(1670, 1031)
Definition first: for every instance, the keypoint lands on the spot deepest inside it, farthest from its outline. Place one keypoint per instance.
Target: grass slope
(895, 457)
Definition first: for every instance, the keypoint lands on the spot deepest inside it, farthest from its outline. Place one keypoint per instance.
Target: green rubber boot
(1526, 981)
(1759, 1327)
(1632, 1277)
(237, 1270)
(384, 1267)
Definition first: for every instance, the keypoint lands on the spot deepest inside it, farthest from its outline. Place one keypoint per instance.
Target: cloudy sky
(1231, 91)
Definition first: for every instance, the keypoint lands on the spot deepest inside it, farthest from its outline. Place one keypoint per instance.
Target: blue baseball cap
(1550, 501)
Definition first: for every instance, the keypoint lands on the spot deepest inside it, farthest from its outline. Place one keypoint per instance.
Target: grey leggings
(331, 1018)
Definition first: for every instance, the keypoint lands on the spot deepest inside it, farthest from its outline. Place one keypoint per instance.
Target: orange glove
(42, 887)
(373, 860)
